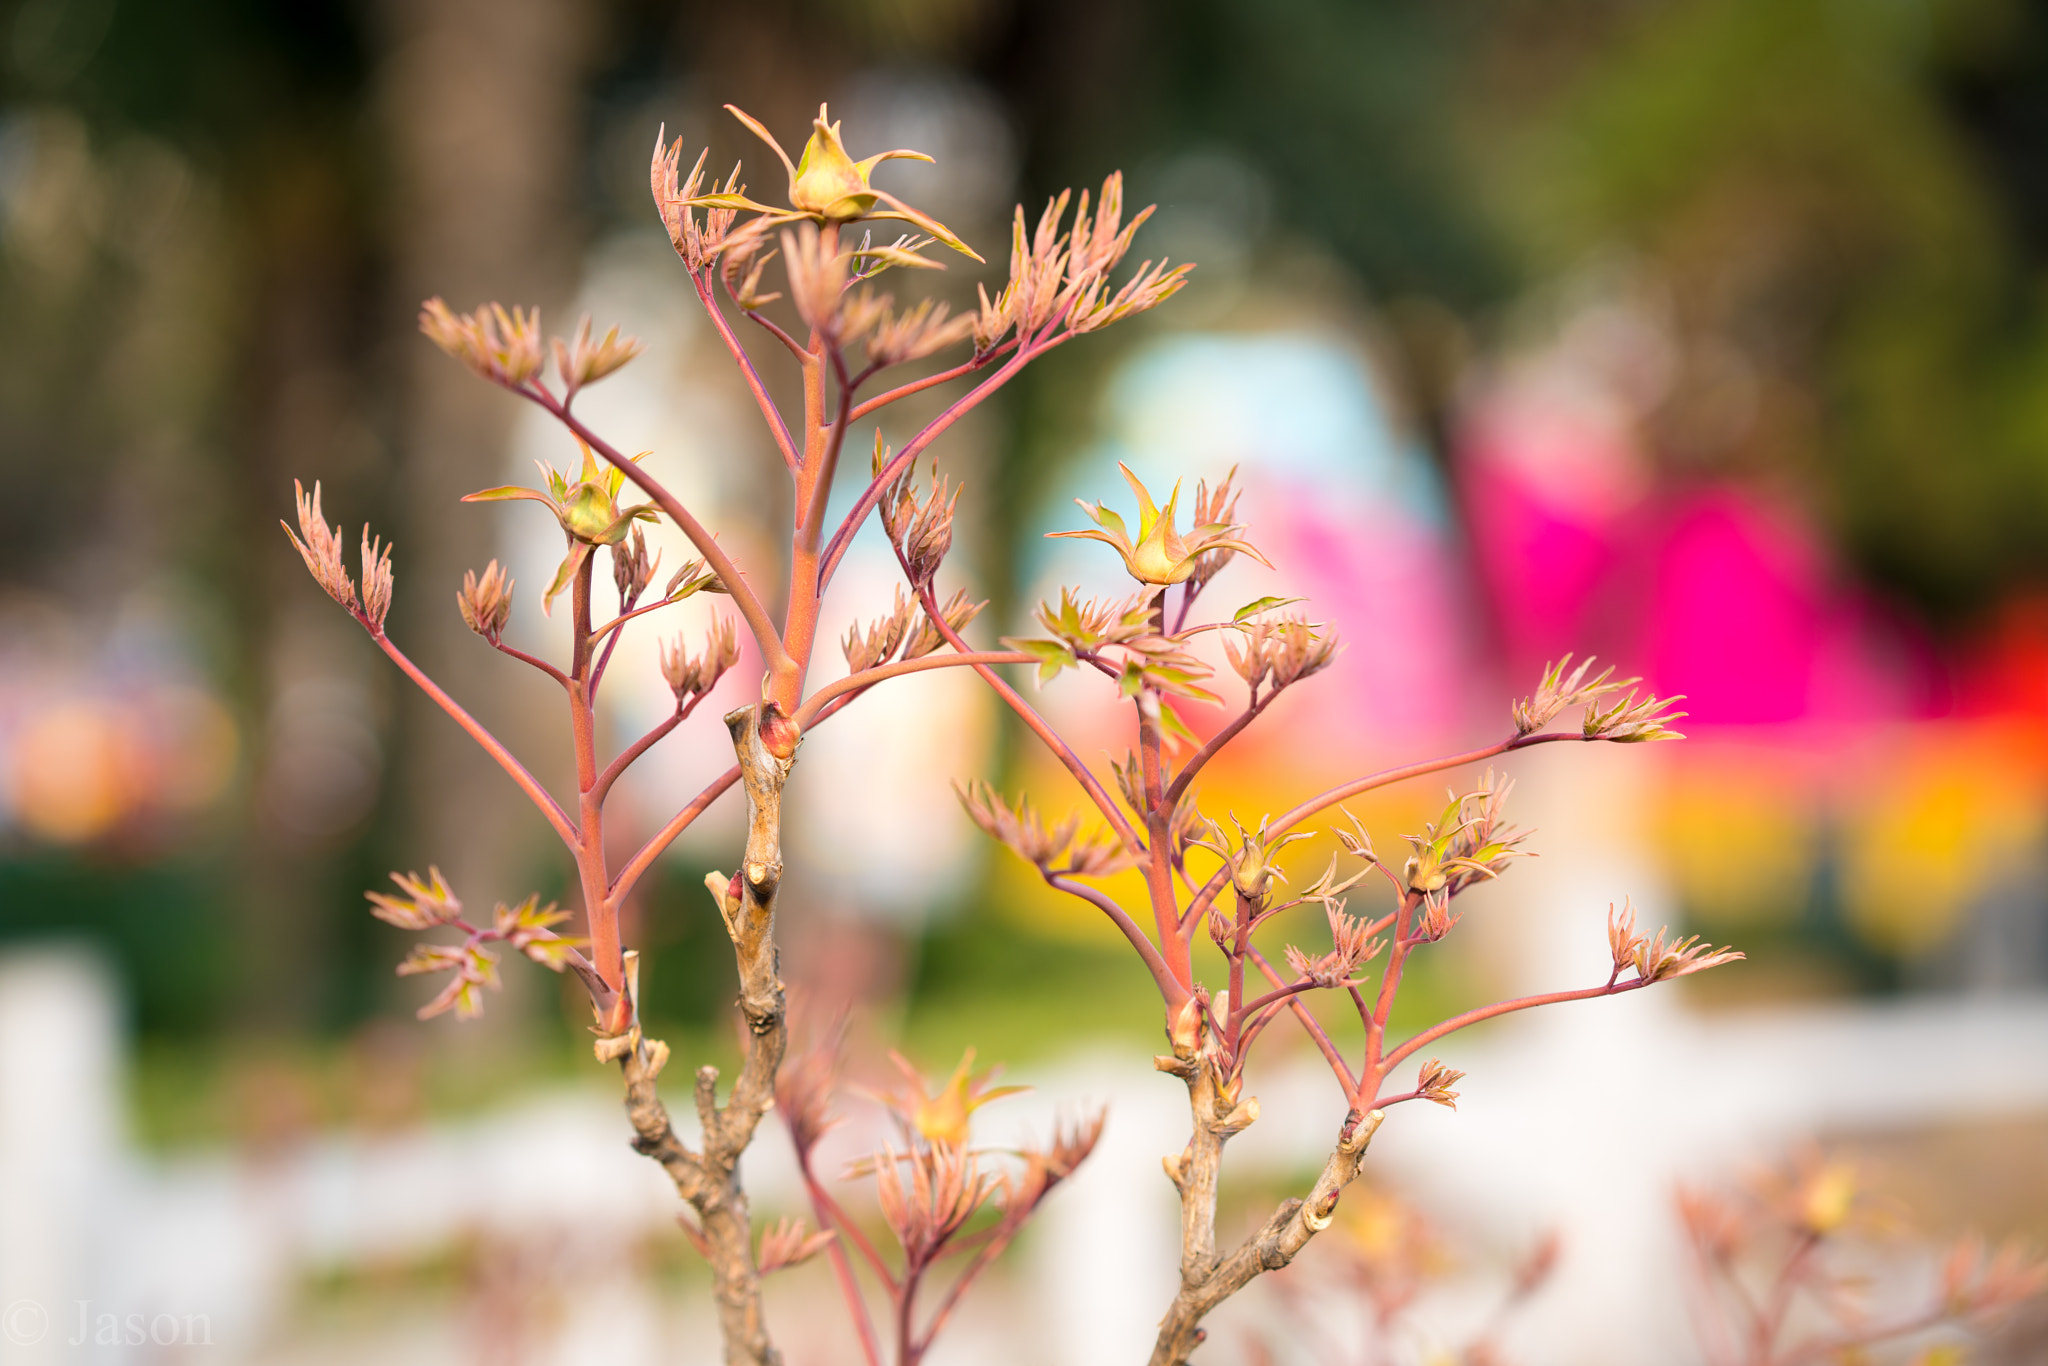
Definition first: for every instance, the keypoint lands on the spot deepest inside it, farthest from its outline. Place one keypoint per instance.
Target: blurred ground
(1704, 334)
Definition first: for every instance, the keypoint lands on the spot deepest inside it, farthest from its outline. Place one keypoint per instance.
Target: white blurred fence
(1581, 1120)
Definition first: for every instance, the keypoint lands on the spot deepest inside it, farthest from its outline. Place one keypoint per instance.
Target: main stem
(593, 878)
(822, 437)
(1276, 1244)
(765, 739)
(710, 1180)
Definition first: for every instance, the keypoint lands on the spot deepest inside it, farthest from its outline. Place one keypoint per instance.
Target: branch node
(655, 1055)
(761, 1019)
(1273, 1256)
(763, 877)
(1358, 1133)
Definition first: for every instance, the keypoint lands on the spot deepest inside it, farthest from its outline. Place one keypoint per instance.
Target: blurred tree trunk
(299, 266)
(481, 105)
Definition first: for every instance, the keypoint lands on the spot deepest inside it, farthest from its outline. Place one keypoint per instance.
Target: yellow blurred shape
(1957, 810)
(1737, 833)
(1391, 1235)
(1252, 786)
(1377, 1222)
(1828, 1195)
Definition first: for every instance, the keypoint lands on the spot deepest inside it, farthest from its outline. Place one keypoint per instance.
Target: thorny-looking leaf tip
(499, 345)
(1434, 1081)
(319, 545)
(1665, 956)
(789, 1243)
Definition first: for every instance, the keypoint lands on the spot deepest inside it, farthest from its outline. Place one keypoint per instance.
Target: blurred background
(1707, 335)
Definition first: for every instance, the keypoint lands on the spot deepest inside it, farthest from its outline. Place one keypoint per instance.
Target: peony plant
(946, 1202)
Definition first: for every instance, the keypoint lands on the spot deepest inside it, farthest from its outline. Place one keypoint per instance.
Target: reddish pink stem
(1324, 800)
(1274, 996)
(620, 620)
(835, 550)
(1338, 1066)
(823, 1207)
(1030, 717)
(867, 678)
(988, 1252)
(528, 784)
(777, 428)
(1162, 976)
(524, 658)
(1215, 745)
(1473, 1017)
(918, 386)
(678, 823)
(766, 638)
(828, 1208)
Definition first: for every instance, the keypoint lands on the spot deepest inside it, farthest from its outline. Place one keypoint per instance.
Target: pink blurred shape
(1738, 612)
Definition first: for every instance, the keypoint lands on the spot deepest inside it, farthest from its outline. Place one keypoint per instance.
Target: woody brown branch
(1197, 1171)
(1205, 1281)
(709, 1180)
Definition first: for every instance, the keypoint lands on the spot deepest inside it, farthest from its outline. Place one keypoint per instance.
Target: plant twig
(641, 861)
(867, 678)
(1285, 1233)
(528, 784)
(766, 638)
(777, 428)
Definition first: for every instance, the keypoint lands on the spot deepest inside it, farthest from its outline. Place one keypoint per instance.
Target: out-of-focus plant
(1385, 1255)
(1785, 1271)
(1198, 878)
(941, 1198)
(1791, 1267)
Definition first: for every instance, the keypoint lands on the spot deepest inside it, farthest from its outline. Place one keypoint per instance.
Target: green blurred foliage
(1346, 110)
(1819, 186)
(169, 946)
